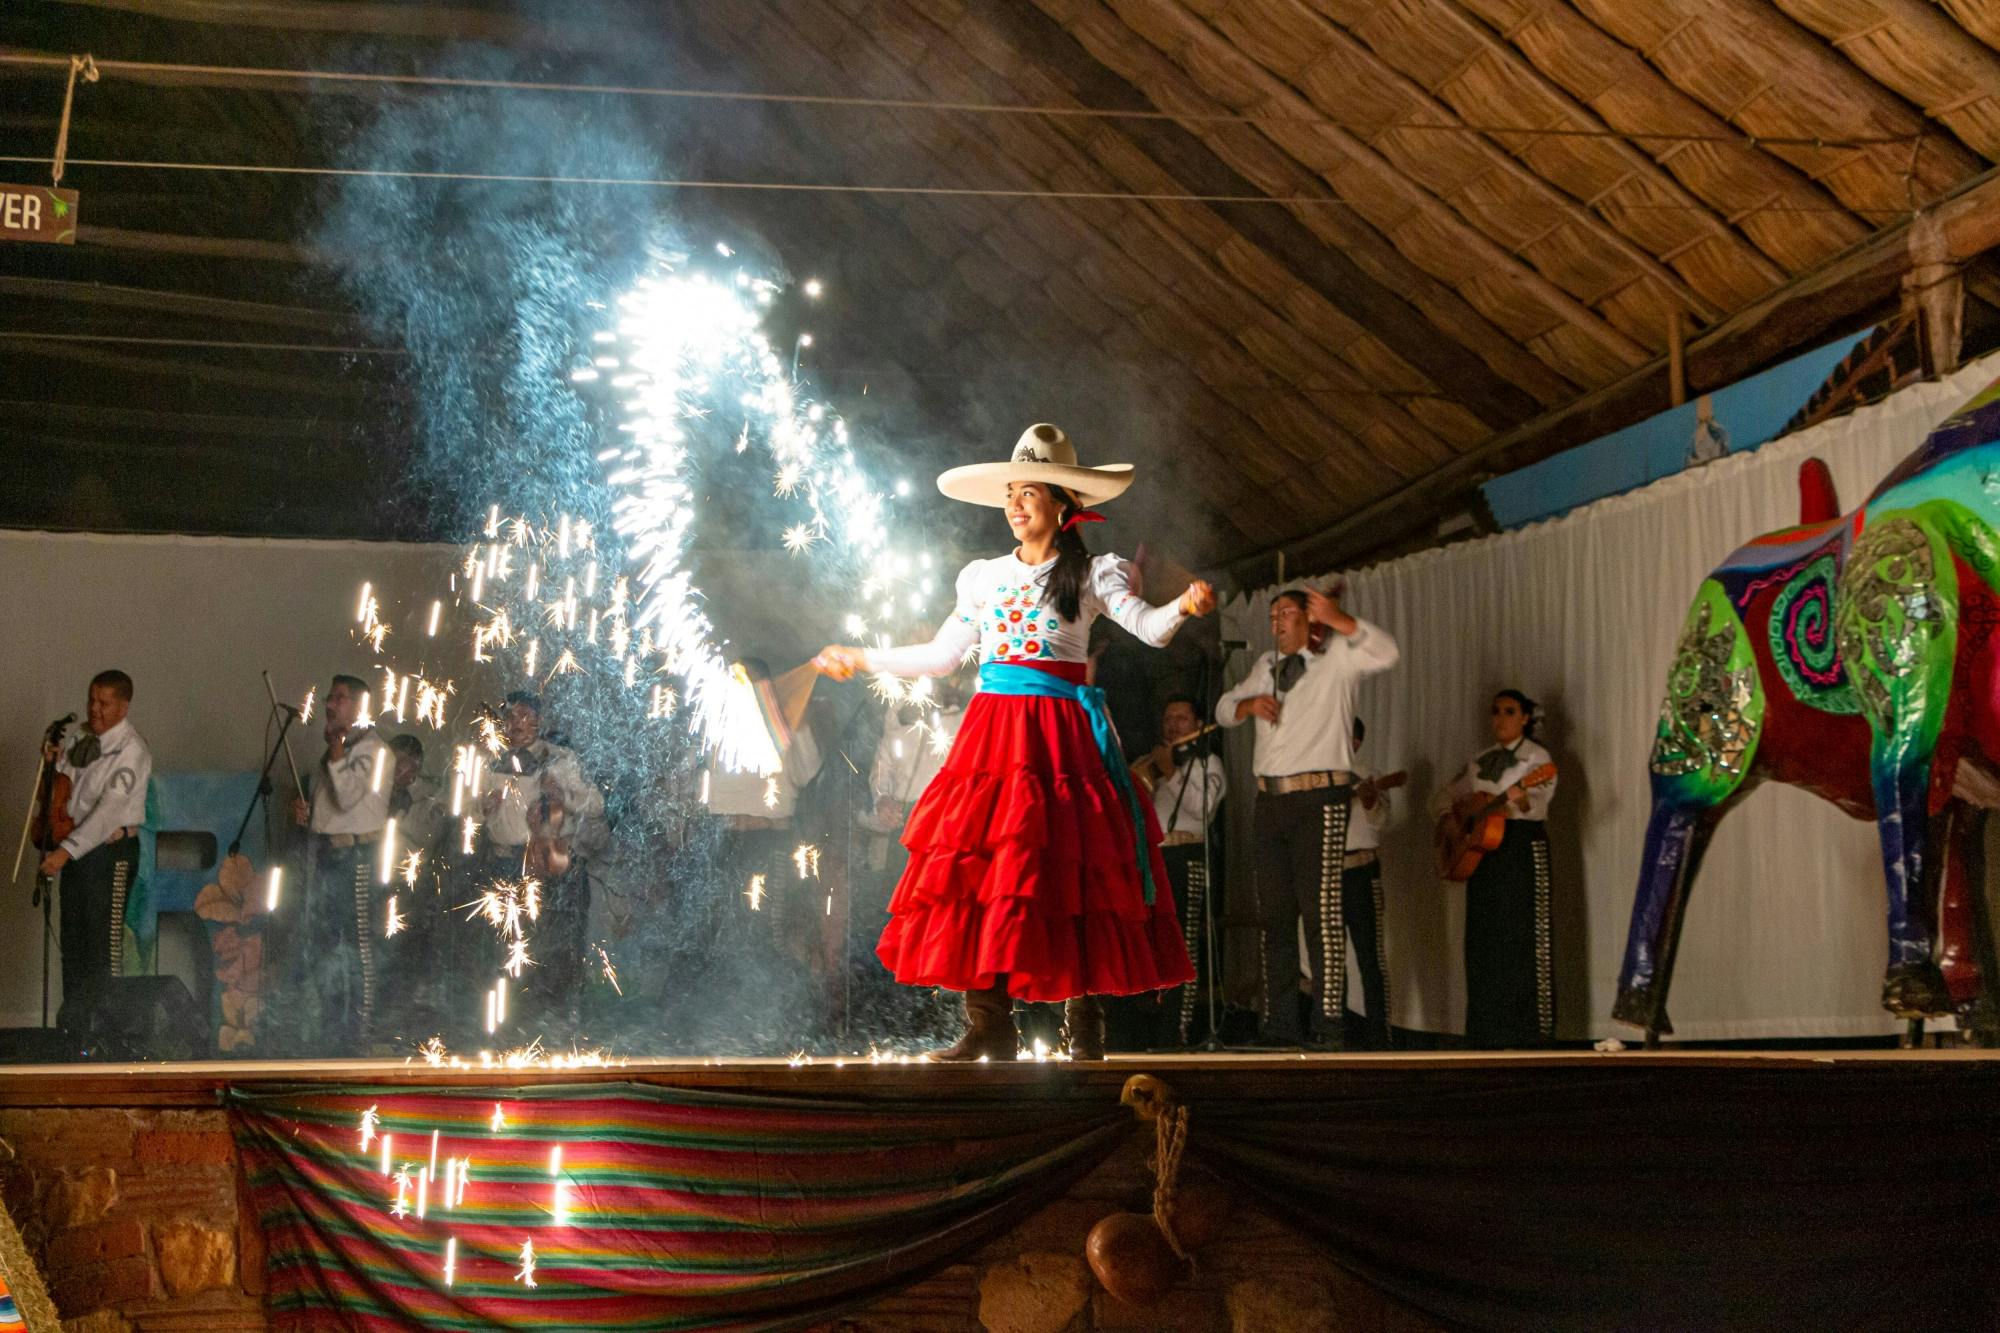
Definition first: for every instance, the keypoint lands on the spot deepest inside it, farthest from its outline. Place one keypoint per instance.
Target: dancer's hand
(840, 661)
(1199, 599)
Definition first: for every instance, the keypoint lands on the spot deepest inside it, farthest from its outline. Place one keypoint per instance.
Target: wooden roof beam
(1643, 167)
(1381, 309)
(1509, 167)
(1832, 296)
(1560, 304)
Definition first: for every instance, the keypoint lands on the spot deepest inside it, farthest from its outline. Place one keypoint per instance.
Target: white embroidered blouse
(1002, 612)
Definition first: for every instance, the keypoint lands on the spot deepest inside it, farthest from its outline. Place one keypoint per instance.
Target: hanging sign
(37, 213)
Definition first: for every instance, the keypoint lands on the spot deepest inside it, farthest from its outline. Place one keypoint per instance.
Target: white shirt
(1001, 612)
(908, 755)
(109, 792)
(1315, 731)
(1365, 825)
(1183, 790)
(1507, 769)
(762, 795)
(419, 820)
(347, 795)
(507, 824)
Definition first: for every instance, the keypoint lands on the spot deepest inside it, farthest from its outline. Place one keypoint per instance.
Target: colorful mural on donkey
(1853, 656)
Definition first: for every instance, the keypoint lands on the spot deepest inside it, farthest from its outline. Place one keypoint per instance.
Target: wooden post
(1934, 292)
(1677, 389)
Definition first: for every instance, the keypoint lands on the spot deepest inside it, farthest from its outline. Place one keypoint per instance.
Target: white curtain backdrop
(1785, 933)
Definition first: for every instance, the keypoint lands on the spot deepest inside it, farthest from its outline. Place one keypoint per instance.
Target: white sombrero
(1043, 453)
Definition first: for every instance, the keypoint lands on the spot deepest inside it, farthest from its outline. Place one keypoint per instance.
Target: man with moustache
(1303, 702)
(108, 767)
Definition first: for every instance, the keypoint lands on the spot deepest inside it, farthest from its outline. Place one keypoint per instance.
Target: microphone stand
(1212, 1043)
(263, 792)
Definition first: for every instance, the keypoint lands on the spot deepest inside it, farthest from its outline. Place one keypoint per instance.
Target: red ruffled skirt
(1022, 864)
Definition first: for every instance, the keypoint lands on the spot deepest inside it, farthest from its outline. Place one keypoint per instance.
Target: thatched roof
(1341, 257)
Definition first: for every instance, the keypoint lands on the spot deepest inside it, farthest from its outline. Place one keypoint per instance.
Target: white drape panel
(1785, 929)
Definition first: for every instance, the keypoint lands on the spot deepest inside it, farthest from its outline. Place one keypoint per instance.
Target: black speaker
(137, 1019)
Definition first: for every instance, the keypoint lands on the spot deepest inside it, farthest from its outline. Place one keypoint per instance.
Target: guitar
(1464, 836)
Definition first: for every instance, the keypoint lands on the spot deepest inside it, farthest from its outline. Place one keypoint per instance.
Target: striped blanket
(623, 1206)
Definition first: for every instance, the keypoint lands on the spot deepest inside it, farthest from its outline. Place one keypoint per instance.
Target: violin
(51, 822)
(1146, 772)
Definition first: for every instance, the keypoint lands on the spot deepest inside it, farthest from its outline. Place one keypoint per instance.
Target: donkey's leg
(1710, 723)
(1898, 638)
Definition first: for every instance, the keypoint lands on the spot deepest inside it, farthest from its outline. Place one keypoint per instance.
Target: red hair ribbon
(1082, 516)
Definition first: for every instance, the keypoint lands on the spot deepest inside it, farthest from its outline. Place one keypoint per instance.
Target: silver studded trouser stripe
(1545, 987)
(121, 877)
(364, 933)
(1332, 917)
(1191, 929)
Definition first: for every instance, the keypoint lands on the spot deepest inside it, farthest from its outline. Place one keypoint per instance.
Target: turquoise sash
(1009, 678)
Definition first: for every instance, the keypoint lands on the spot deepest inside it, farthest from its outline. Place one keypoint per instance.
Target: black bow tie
(1290, 668)
(86, 750)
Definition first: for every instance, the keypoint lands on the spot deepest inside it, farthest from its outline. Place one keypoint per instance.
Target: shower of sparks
(401, 1207)
(755, 893)
(525, 1275)
(610, 972)
(450, 1258)
(388, 1141)
(798, 537)
(393, 921)
(306, 706)
(411, 864)
(363, 718)
(381, 767)
(271, 896)
(369, 1120)
(499, 1121)
(771, 792)
(433, 1052)
(806, 858)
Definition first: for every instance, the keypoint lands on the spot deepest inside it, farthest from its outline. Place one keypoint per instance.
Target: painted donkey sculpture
(1853, 656)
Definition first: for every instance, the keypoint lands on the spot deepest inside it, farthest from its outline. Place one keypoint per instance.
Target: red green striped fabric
(646, 1207)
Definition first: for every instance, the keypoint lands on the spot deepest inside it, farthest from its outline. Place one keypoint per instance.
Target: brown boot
(989, 1027)
(1083, 1021)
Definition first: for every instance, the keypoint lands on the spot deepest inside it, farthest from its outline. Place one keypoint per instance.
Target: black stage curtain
(1858, 1194)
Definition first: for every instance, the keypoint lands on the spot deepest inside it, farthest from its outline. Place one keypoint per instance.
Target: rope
(808, 187)
(1369, 128)
(1151, 1099)
(87, 67)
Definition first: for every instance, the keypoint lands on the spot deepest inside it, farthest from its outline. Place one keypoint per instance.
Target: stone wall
(136, 1218)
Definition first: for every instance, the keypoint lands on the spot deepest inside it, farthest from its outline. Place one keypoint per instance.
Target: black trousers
(548, 996)
(1164, 1018)
(1509, 989)
(324, 1005)
(93, 890)
(1301, 839)
(1361, 904)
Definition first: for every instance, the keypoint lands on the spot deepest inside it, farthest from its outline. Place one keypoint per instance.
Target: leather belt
(1356, 859)
(1317, 781)
(350, 839)
(1181, 838)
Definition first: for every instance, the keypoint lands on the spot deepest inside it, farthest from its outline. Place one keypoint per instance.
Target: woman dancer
(1509, 985)
(1035, 869)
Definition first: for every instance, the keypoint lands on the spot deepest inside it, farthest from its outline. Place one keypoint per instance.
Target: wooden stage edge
(1266, 1075)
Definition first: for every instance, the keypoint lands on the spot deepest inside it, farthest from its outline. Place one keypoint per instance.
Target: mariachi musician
(1187, 785)
(544, 819)
(107, 768)
(1302, 698)
(1509, 938)
(344, 811)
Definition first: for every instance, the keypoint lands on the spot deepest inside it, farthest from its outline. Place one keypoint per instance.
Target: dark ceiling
(1493, 213)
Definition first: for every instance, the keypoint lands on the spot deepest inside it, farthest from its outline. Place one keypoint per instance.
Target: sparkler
(499, 1118)
(393, 922)
(755, 893)
(411, 864)
(306, 706)
(525, 1275)
(369, 1119)
(610, 972)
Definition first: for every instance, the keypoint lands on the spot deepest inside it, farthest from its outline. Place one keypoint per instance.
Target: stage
(1409, 1191)
(1253, 1074)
